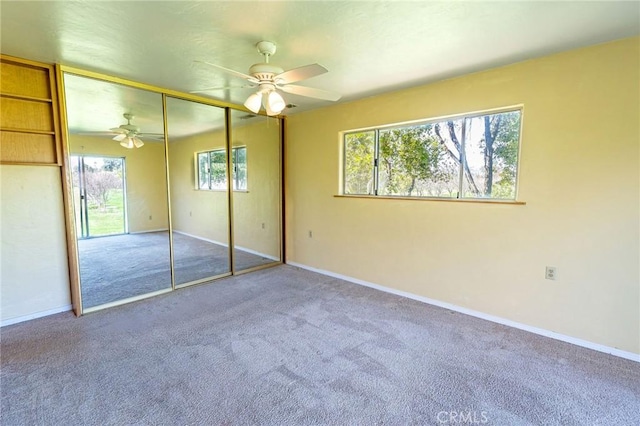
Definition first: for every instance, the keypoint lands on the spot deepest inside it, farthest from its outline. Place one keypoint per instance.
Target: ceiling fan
(128, 133)
(271, 78)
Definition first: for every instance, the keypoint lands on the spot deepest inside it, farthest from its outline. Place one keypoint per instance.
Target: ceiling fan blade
(107, 133)
(300, 73)
(120, 137)
(117, 130)
(232, 72)
(154, 136)
(310, 92)
(211, 89)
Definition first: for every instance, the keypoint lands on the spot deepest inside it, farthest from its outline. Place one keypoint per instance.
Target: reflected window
(212, 169)
(239, 161)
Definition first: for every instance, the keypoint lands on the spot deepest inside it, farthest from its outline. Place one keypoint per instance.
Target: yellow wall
(261, 204)
(579, 177)
(34, 273)
(145, 179)
(204, 213)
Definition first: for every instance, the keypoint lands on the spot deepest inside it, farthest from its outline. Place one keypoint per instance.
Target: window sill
(221, 190)
(455, 200)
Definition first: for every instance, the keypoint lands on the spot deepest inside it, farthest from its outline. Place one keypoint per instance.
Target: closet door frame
(227, 138)
(281, 197)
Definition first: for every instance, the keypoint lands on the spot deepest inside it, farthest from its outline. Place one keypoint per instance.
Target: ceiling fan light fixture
(137, 142)
(268, 110)
(275, 102)
(269, 77)
(127, 143)
(254, 102)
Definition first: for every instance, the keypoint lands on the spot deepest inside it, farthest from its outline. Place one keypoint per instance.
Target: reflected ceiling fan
(270, 78)
(129, 134)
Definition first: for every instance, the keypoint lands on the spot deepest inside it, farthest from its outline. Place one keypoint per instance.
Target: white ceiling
(368, 47)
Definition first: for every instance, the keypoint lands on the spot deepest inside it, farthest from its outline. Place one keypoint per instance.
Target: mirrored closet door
(119, 185)
(197, 141)
(152, 212)
(256, 170)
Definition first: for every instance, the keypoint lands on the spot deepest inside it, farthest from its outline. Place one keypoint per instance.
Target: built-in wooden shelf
(34, 131)
(26, 98)
(29, 126)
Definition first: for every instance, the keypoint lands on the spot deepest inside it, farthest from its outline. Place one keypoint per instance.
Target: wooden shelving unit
(29, 129)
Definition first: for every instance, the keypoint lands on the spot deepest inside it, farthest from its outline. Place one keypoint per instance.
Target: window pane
(358, 163)
(218, 169)
(491, 152)
(240, 169)
(414, 161)
(203, 170)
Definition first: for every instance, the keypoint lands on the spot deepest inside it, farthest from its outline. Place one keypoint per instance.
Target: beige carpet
(284, 346)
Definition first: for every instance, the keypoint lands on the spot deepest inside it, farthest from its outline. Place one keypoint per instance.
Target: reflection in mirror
(117, 158)
(256, 170)
(198, 188)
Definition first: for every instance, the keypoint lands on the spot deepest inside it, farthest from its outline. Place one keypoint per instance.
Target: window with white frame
(473, 156)
(212, 169)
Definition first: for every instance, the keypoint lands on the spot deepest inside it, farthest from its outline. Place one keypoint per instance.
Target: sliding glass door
(99, 188)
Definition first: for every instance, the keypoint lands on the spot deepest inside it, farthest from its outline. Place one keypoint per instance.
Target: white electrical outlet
(551, 273)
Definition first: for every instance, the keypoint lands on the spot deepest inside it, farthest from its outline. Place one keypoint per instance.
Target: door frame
(85, 228)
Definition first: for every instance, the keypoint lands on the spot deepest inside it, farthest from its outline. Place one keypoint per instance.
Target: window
(212, 169)
(239, 163)
(473, 156)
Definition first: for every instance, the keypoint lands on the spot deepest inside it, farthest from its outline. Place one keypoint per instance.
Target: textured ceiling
(368, 47)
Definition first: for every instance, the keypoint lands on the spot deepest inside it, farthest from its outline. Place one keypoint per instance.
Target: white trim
(202, 238)
(257, 253)
(15, 320)
(540, 331)
(146, 232)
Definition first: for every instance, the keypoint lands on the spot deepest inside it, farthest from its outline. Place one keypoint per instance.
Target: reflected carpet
(122, 266)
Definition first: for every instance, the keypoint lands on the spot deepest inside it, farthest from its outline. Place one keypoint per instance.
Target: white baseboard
(257, 253)
(220, 243)
(547, 333)
(35, 315)
(150, 230)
